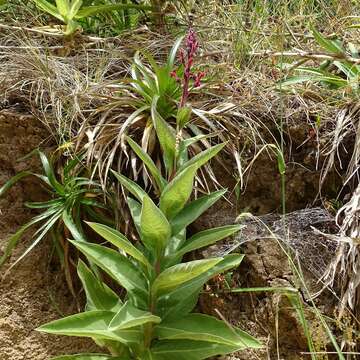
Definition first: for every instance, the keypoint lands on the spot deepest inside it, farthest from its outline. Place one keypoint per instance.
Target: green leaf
(203, 157)
(50, 174)
(119, 240)
(332, 46)
(177, 192)
(116, 265)
(172, 247)
(98, 9)
(49, 8)
(131, 186)
(63, 7)
(193, 210)
(173, 52)
(183, 116)
(165, 135)
(208, 237)
(135, 211)
(189, 350)
(146, 159)
(129, 316)
(75, 7)
(292, 80)
(205, 328)
(54, 215)
(281, 162)
(98, 295)
(70, 224)
(71, 27)
(93, 324)
(182, 300)
(176, 275)
(155, 229)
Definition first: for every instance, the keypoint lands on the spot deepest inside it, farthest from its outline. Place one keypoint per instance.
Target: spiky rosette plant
(156, 91)
(155, 319)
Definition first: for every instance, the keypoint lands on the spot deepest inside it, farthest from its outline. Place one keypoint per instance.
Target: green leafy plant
(340, 70)
(70, 198)
(155, 320)
(70, 11)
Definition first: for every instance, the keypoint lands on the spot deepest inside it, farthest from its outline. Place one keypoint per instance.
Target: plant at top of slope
(69, 199)
(155, 320)
(70, 12)
(340, 70)
(155, 94)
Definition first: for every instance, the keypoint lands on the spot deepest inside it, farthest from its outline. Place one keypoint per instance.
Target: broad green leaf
(189, 350)
(183, 116)
(193, 210)
(165, 135)
(182, 151)
(203, 157)
(173, 52)
(135, 211)
(98, 9)
(129, 316)
(98, 295)
(208, 237)
(93, 324)
(119, 240)
(155, 229)
(176, 194)
(49, 8)
(281, 162)
(205, 328)
(146, 159)
(176, 241)
(116, 265)
(63, 8)
(182, 300)
(176, 275)
(131, 186)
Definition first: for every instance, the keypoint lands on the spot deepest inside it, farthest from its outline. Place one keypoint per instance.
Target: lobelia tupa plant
(155, 319)
(157, 95)
(70, 11)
